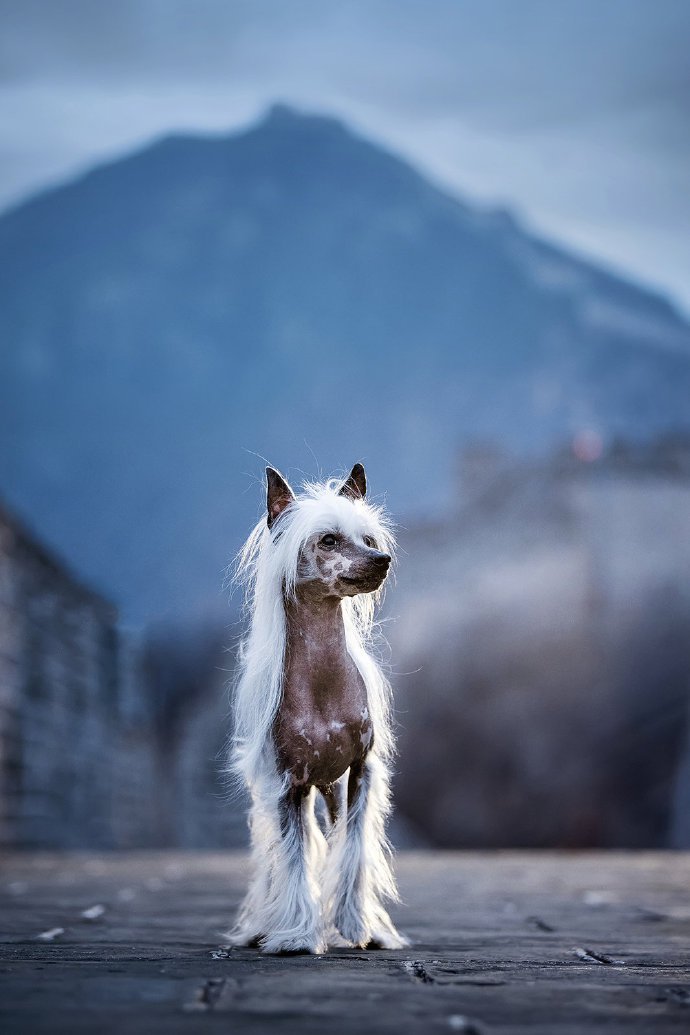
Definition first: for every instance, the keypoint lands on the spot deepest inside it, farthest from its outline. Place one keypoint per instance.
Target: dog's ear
(355, 486)
(279, 495)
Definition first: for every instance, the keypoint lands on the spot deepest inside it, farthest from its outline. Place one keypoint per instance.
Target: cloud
(575, 113)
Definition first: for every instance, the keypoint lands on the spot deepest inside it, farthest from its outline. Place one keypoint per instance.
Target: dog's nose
(382, 559)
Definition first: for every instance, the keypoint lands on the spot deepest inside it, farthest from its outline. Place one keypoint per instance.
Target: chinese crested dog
(312, 717)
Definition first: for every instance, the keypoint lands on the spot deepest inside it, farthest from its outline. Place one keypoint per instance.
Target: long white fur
(283, 904)
(359, 877)
(302, 888)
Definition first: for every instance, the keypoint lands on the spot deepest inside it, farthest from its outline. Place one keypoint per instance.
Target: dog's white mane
(267, 567)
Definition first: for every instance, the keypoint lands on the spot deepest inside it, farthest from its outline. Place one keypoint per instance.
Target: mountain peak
(279, 112)
(284, 116)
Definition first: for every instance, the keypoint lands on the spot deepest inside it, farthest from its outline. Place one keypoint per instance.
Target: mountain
(288, 290)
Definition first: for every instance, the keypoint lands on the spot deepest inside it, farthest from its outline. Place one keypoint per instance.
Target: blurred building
(86, 756)
(541, 651)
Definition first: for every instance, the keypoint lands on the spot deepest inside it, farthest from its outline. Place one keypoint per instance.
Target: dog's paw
(378, 933)
(243, 939)
(355, 934)
(388, 939)
(292, 945)
(335, 940)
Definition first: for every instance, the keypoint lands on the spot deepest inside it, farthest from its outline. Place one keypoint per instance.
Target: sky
(575, 114)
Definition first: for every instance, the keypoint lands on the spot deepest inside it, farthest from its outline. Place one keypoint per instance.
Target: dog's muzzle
(373, 571)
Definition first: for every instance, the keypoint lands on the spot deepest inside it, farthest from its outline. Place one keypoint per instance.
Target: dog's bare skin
(323, 728)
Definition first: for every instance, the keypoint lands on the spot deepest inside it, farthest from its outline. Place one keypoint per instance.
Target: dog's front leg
(292, 919)
(361, 875)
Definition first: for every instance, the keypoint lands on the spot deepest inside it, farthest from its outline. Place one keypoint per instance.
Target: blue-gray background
(449, 240)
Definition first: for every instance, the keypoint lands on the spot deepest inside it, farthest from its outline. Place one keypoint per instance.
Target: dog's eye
(368, 541)
(329, 540)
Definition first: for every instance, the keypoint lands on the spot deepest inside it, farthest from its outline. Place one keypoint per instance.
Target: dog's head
(344, 549)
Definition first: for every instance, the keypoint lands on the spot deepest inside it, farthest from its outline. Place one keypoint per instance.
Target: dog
(312, 722)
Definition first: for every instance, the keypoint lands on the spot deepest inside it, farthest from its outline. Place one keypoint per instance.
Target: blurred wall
(96, 751)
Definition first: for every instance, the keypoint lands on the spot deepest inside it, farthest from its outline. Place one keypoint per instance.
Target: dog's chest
(323, 724)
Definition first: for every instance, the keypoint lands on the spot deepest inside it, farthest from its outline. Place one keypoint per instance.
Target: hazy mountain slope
(287, 288)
